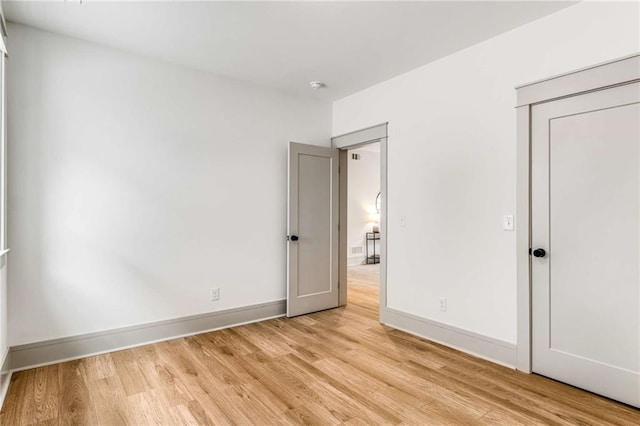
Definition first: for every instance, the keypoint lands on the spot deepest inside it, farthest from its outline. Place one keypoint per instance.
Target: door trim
(598, 77)
(360, 137)
(594, 77)
(351, 140)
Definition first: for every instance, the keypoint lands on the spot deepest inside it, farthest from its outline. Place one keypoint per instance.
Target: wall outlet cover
(215, 294)
(443, 304)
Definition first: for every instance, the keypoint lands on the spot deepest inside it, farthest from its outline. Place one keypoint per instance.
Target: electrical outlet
(403, 221)
(443, 304)
(215, 294)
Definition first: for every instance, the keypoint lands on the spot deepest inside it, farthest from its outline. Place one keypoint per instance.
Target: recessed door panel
(594, 192)
(314, 224)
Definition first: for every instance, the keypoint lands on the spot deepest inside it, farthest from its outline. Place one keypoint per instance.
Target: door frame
(343, 143)
(612, 73)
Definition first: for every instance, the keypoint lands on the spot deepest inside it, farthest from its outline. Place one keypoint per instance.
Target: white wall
(136, 186)
(363, 186)
(452, 156)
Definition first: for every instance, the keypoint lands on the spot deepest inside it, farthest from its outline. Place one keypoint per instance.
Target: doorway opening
(318, 225)
(364, 205)
(363, 218)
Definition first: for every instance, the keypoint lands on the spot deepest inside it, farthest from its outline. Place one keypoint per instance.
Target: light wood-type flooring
(364, 275)
(333, 367)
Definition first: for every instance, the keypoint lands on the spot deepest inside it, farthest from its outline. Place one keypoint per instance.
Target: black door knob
(293, 238)
(539, 252)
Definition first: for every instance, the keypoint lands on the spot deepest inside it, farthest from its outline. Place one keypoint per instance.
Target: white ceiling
(284, 45)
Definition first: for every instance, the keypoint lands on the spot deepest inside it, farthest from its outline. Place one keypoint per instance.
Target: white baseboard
(58, 350)
(485, 347)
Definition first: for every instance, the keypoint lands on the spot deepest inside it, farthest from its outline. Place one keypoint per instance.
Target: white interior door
(312, 253)
(586, 216)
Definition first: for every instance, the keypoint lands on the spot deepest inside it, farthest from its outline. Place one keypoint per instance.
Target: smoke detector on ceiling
(315, 85)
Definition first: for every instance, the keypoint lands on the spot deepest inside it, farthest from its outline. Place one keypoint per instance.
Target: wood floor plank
(356, 421)
(562, 412)
(333, 367)
(195, 414)
(334, 393)
(231, 339)
(348, 375)
(411, 413)
(99, 367)
(326, 415)
(477, 402)
(110, 402)
(221, 361)
(45, 392)
(303, 416)
(129, 371)
(501, 417)
(147, 409)
(266, 341)
(211, 390)
(28, 404)
(551, 392)
(75, 399)
(256, 409)
(15, 399)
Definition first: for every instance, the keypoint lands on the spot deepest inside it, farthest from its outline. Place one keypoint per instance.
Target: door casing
(344, 143)
(598, 77)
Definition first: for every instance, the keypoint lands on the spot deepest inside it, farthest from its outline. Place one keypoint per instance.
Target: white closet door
(586, 217)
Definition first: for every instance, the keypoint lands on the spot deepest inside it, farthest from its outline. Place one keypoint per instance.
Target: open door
(312, 248)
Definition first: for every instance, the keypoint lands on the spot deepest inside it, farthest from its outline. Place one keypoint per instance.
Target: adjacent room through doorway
(363, 223)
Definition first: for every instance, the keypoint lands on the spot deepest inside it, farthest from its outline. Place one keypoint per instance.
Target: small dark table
(373, 237)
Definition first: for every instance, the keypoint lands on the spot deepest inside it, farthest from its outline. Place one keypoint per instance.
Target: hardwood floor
(364, 275)
(333, 367)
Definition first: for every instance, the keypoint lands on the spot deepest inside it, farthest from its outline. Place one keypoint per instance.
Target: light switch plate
(507, 222)
(403, 221)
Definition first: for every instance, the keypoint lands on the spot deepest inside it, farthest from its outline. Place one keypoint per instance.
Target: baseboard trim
(485, 347)
(65, 349)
